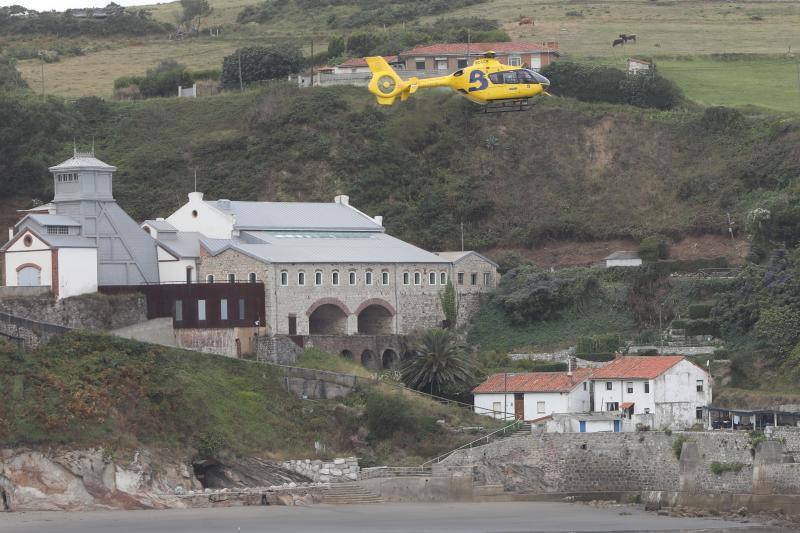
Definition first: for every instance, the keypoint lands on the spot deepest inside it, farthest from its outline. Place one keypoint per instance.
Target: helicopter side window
(497, 78)
(510, 77)
(525, 77)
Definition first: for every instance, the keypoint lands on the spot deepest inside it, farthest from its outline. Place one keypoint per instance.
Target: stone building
(327, 268)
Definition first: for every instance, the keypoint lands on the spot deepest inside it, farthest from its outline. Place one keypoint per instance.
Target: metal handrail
(516, 424)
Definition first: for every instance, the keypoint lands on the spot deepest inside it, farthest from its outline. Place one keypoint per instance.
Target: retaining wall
(335, 471)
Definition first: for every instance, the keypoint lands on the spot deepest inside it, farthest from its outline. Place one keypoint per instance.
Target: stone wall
(789, 436)
(88, 311)
(278, 349)
(335, 471)
(311, 383)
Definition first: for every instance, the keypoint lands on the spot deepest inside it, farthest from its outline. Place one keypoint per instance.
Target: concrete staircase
(524, 429)
(349, 493)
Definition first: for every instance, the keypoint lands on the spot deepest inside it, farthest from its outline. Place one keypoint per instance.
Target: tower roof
(83, 160)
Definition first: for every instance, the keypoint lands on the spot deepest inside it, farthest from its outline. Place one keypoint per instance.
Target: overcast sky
(61, 5)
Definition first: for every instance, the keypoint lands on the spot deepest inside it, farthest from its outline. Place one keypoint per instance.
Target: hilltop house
(82, 239)
(449, 57)
(533, 395)
(656, 391)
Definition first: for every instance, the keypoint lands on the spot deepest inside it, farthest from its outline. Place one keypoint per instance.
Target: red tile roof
(533, 382)
(477, 48)
(360, 62)
(637, 367)
(625, 405)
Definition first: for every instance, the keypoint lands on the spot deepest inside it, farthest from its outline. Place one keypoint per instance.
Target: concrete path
(517, 517)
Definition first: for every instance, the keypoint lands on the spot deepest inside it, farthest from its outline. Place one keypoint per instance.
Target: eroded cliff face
(89, 480)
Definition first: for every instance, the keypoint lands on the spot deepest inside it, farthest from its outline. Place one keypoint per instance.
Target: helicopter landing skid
(507, 106)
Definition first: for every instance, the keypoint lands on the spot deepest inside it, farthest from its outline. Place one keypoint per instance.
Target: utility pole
(312, 61)
(241, 85)
(43, 96)
(469, 38)
(462, 230)
(505, 396)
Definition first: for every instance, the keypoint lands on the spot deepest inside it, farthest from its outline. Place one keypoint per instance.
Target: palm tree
(439, 360)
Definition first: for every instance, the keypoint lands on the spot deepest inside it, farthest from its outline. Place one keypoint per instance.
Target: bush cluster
(128, 22)
(163, 80)
(599, 347)
(260, 63)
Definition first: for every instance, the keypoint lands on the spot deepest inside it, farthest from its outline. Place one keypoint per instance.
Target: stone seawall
(677, 465)
(335, 471)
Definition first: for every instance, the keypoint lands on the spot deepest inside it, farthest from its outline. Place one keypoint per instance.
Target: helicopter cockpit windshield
(538, 77)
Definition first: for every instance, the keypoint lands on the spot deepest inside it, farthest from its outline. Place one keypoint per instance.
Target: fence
(394, 471)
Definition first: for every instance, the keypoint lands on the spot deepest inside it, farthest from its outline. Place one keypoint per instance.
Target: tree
(779, 327)
(653, 248)
(440, 361)
(195, 10)
(449, 305)
(260, 63)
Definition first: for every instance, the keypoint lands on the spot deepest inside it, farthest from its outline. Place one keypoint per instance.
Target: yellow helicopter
(488, 82)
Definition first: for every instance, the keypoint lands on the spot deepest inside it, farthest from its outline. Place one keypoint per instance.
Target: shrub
(720, 468)
(699, 311)
(653, 248)
(779, 327)
(387, 414)
(703, 326)
(260, 63)
(598, 345)
(677, 444)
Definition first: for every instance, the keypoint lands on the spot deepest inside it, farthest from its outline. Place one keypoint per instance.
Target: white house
(637, 66)
(533, 395)
(623, 259)
(658, 391)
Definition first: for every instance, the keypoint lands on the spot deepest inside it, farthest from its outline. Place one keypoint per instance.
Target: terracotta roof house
(665, 391)
(532, 395)
(449, 57)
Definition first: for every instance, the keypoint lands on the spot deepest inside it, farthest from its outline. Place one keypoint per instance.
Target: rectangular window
(178, 310)
(432, 278)
(609, 385)
(460, 278)
(612, 406)
(441, 63)
(540, 407)
(335, 278)
(405, 278)
(443, 278)
(368, 278)
(417, 278)
(352, 278)
(58, 230)
(231, 278)
(284, 278)
(317, 278)
(487, 278)
(473, 279)
(462, 62)
(698, 413)
(241, 308)
(585, 386)
(252, 277)
(515, 61)
(497, 407)
(385, 278)
(301, 278)
(419, 63)
(699, 385)
(201, 309)
(647, 410)
(647, 387)
(223, 309)
(630, 387)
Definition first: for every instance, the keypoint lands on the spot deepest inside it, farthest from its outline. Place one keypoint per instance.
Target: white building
(533, 395)
(637, 66)
(656, 391)
(623, 259)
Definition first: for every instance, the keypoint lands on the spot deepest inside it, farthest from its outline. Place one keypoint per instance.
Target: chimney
(378, 220)
(569, 366)
(224, 204)
(10, 233)
(195, 196)
(342, 199)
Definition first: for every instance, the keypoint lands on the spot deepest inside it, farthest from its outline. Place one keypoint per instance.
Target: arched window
(385, 278)
(231, 278)
(210, 278)
(405, 278)
(432, 278)
(335, 278)
(251, 277)
(284, 278)
(318, 278)
(417, 278)
(301, 278)
(368, 278)
(352, 278)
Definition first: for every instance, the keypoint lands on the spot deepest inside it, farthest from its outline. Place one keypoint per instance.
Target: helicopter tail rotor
(386, 84)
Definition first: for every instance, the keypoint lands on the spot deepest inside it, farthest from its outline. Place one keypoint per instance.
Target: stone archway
(375, 317)
(369, 360)
(390, 359)
(327, 319)
(347, 354)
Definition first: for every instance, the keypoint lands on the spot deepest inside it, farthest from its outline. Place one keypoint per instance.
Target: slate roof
(183, 244)
(50, 220)
(55, 241)
(477, 48)
(455, 257)
(623, 255)
(85, 161)
(533, 382)
(160, 225)
(296, 216)
(365, 248)
(637, 367)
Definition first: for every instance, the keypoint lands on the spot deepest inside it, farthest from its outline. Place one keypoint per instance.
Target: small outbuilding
(623, 259)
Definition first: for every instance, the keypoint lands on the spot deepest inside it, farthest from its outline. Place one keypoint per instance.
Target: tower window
(67, 178)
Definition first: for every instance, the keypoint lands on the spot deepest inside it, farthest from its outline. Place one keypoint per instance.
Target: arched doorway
(369, 360)
(375, 320)
(347, 354)
(390, 359)
(327, 319)
(29, 276)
